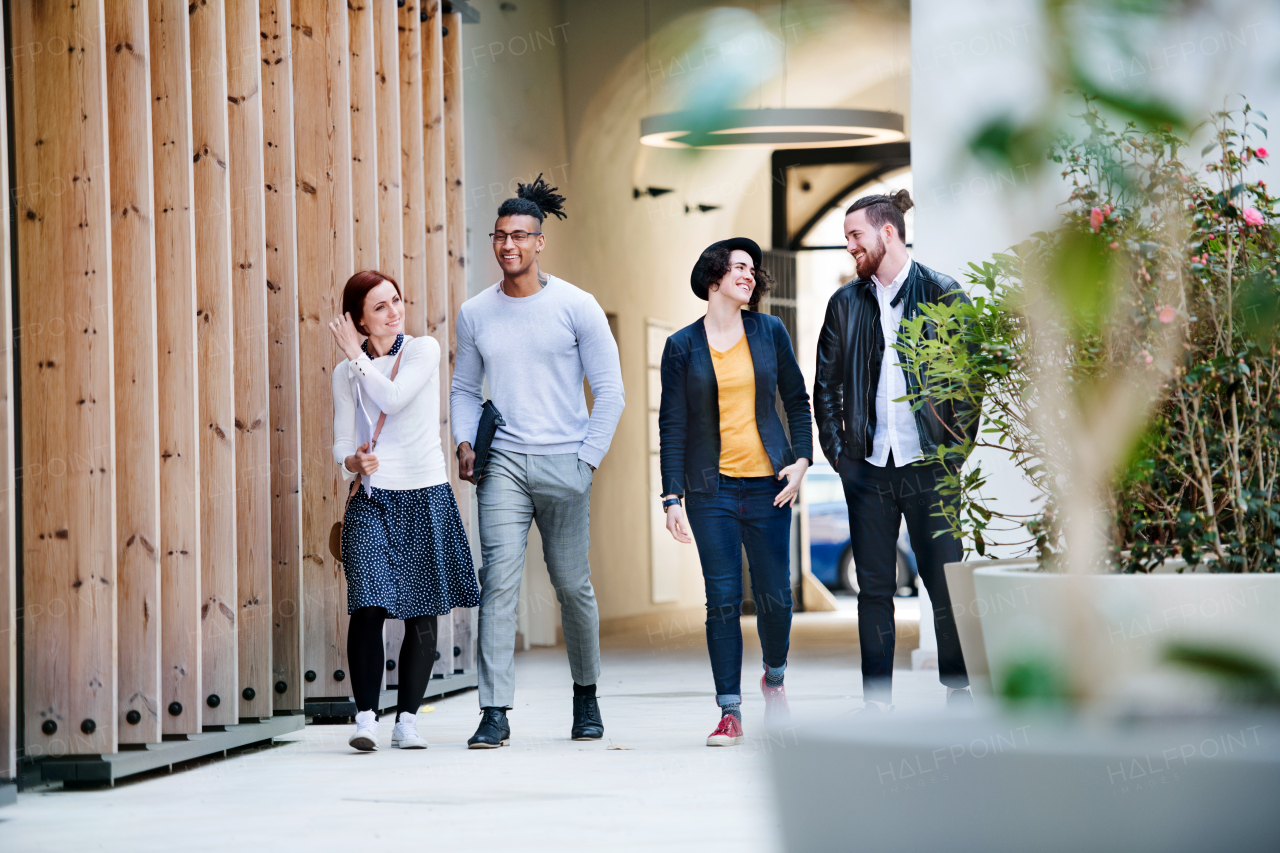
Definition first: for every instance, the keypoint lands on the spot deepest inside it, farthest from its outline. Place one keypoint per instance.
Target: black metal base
(76, 771)
(334, 708)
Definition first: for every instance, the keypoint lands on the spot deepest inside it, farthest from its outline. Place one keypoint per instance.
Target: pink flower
(1167, 313)
(1095, 218)
(1115, 245)
(1146, 356)
(1262, 152)
(1252, 216)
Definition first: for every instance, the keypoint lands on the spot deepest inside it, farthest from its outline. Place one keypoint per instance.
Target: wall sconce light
(652, 192)
(702, 208)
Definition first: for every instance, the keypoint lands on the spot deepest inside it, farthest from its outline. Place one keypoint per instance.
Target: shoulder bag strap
(373, 443)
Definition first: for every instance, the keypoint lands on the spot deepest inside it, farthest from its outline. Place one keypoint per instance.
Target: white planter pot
(968, 609)
(1011, 784)
(1125, 621)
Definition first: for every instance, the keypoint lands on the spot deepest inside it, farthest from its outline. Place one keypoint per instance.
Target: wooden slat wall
(364, 135)
(8, 525)
(322, 129)
(133, 286)
(62, 203)
(437, 249)
(216, 338)
(176, 362)
(386, 78)
(412, 190)
(282, 319)
(456, 238)
(252, 379)
(178, 372)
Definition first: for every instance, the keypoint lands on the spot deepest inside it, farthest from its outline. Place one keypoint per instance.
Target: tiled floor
(651, 784)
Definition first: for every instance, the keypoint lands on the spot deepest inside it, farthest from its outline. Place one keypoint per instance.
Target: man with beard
(885, 453)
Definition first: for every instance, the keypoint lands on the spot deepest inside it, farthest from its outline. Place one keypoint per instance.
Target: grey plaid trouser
(555, 492)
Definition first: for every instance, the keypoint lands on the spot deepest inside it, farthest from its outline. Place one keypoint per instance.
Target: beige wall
(572, 109)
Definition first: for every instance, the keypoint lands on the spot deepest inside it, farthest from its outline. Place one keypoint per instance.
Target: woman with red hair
(404, 549)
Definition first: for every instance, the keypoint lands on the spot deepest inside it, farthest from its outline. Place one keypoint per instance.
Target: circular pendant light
(771, 128)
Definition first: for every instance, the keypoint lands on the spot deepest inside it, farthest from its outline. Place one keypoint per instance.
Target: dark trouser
(878, 499)
(742, 514)
(364, 656)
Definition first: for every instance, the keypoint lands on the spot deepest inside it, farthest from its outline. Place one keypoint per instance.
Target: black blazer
(689, 417)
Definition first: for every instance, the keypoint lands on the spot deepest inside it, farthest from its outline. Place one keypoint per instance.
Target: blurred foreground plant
(1127, 360)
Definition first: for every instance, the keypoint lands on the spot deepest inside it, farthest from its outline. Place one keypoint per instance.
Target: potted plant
(1128, 365)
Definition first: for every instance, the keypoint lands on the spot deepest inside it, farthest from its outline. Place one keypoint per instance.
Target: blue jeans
(741, 514)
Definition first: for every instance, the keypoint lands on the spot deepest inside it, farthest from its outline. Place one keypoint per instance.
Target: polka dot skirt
(407, 551)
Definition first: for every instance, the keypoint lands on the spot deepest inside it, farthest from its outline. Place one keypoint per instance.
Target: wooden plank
(437, 250)
(282, 319)
(252, 378)
(444, 646)
(392, 640)
(364, 135)
(216, 339)
(62, 203)
(133, 293)
(8, 521)
(464, 639)
(178, 372)
(414, 283)
(386, 79)
(322, 128)
(455, 214)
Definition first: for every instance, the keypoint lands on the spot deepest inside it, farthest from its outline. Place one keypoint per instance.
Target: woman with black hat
(725, 453)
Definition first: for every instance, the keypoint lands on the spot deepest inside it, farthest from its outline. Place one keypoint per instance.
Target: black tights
(364, 656)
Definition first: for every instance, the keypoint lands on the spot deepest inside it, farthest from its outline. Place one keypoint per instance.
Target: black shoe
(587, 724)
(959, 700)
(494, 730)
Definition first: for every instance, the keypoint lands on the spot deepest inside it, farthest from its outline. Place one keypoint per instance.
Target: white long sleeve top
(408, 451)
(895, 422)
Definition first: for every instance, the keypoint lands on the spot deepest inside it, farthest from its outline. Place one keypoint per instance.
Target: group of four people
(730, 470)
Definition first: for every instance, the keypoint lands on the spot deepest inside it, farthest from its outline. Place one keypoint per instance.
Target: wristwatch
(670, 502)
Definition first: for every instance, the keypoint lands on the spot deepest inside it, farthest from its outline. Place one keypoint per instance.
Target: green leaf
(1208, 148)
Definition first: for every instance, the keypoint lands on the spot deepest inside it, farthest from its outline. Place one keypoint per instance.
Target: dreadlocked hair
(535, 199)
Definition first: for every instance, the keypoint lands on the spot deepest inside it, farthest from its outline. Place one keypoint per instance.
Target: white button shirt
(895, 422)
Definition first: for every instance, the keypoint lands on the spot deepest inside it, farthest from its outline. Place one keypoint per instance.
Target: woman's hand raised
(795, 475)
(347, 337)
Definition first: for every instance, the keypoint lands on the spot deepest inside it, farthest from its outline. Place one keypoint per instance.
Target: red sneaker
(728, 733)
(776, 709)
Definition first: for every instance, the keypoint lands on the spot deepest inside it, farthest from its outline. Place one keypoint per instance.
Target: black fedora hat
(746, 244)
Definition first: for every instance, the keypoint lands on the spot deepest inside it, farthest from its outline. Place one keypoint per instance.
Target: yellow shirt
(742, 453)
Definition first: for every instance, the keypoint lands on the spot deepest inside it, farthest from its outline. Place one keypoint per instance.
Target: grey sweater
(535, 352)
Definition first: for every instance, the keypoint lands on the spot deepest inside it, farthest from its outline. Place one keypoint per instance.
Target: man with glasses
(534, 337)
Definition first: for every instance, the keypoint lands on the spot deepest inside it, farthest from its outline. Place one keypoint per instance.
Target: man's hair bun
(535, 199)
(885, 209)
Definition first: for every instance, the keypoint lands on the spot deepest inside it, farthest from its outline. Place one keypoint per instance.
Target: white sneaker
(406, 734)
(366, 737)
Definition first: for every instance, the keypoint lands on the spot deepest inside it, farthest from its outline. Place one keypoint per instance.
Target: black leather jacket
(850, 350)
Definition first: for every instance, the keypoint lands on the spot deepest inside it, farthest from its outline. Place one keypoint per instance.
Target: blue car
(830, 556)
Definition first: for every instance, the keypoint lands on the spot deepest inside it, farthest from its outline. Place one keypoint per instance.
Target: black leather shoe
(587, 724)
(494, 730)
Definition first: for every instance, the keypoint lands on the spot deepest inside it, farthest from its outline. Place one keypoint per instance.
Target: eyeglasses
(517, 237)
